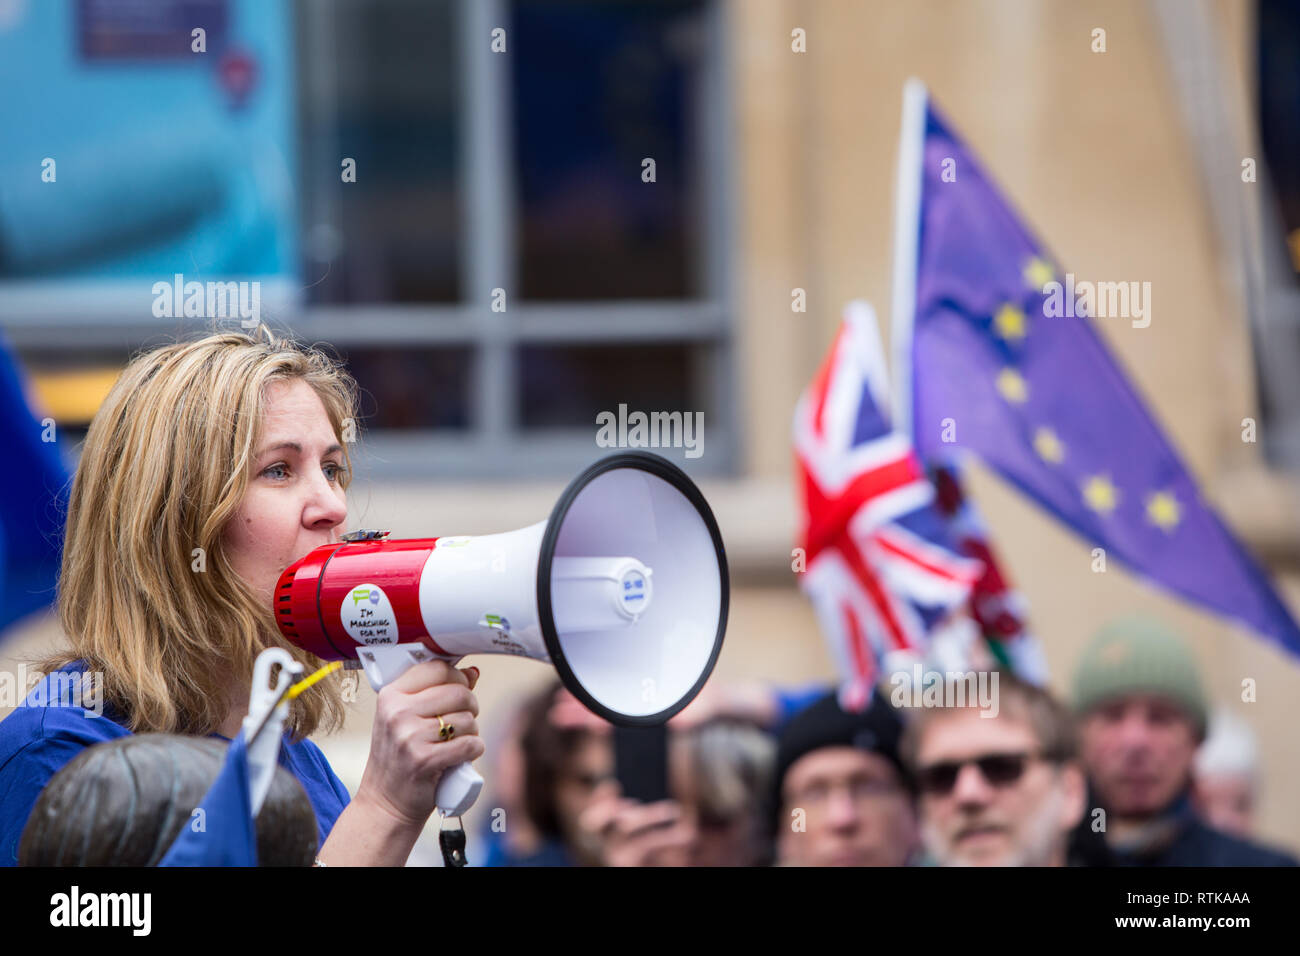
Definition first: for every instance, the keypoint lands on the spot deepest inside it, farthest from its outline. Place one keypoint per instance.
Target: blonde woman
(211, 466)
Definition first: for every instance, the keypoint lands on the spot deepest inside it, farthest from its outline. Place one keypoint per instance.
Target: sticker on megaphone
(367, 615)
(592, 594)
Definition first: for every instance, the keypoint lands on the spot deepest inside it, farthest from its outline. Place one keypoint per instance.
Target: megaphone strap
(452, 844)
(318, 675)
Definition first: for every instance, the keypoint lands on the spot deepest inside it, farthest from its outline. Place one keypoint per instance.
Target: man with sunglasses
(997, 787)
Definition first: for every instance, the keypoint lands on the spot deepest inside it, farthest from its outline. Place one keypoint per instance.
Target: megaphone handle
(458, 789)
(383, 663)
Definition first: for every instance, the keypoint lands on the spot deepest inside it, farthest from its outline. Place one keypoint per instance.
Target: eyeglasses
(1000, 770)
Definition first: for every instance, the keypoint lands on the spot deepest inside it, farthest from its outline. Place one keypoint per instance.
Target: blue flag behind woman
(32, 491)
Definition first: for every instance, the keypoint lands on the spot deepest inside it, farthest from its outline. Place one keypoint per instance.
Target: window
(479, 234)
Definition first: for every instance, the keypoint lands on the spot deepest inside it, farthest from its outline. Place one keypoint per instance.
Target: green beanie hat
(1137, 655)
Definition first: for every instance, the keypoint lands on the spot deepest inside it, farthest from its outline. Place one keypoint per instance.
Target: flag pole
(907, 211)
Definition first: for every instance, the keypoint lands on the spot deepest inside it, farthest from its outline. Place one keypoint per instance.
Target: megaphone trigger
(384, 663)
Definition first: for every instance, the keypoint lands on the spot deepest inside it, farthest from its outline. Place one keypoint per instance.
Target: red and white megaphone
(623, 589)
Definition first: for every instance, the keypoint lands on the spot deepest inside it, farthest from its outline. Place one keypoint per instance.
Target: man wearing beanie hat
(841, 796)
(1142, 716)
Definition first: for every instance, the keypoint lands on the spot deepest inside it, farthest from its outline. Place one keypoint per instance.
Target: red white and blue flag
(881, 567)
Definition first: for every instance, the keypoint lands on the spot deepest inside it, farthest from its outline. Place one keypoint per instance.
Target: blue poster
(144, 142)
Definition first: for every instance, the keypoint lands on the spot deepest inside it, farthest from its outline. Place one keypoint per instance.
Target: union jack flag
(881, 569)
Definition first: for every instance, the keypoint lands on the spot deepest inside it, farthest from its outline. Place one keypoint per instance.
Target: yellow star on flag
(1009, 322)
(1048, 446)
(1012, 385)
(1163, 510)
(1099, 494)
(1038, 273)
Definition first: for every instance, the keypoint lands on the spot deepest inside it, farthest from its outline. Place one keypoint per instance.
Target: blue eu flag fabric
(223, 834)
(33, 486)
(1035, 394)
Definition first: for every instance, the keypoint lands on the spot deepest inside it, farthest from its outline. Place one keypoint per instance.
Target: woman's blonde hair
(166, 461)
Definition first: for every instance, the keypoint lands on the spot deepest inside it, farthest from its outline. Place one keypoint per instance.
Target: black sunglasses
(1000, 770)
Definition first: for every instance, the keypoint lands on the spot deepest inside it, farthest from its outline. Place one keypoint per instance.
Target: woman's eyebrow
(294, 446)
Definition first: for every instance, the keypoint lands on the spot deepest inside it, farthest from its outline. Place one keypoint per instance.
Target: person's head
(720, 772)
(841, 796)
(124, 802)
(211, 466)
(1227, 776)
(1001, 790)
(1142, 714)
(563, 766)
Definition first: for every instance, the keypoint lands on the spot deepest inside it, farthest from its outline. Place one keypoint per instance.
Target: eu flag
(997, 370)
(32, 488)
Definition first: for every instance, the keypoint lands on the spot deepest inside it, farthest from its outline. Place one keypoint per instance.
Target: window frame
(494, 445)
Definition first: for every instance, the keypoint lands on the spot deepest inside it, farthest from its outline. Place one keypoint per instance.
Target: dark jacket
(1180, 839)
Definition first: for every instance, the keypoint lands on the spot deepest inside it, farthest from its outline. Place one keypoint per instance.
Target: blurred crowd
(1132, 769)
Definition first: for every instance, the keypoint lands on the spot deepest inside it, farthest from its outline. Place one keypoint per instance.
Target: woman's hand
(407, 756)
(407, 759)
